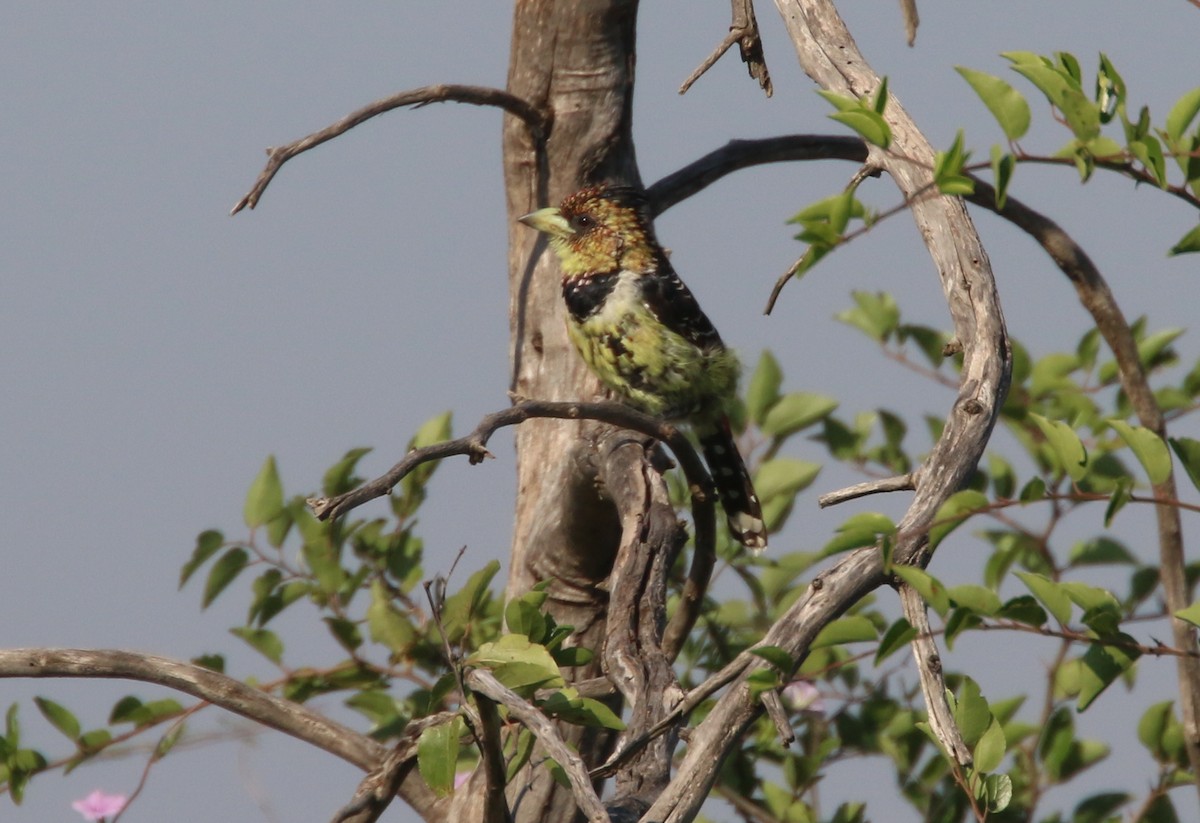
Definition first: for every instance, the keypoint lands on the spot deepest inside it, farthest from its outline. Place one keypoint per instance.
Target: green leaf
(59, 717)
(971, 713)
(1065, 443)
(876, 314)
(566, 704)
(1187, 244)
(223, 573)
(1049, 82)
(1148, 447)
(999, 789)
(1003, 166)
(1151, 727)
(208, 543)
(1005, 103)
(852, 629)
(437, 755)
(1023, 609)
(519, 664)
(123, 711)
(1182, 114)
(265, 641)
(929, 587)
(1149, 152)
(976, 598)
(776, 656)
(989, 751)
(763, 680)
(523, 615)
(762, 392)
(1088, 597)
(340, 477)
(951, 514)
(1049, 594)
(1100, 808)
(1191, 614)
(862, 529)
(1121, 494)
(462, 607)
(265, 499)
(784, 476)
(168, 740)
(1081, 114)
(1188, 452)
(1102, 665)
(869, 125)
(796, 411)
(1100, 551)
(897, 636)
(345, 632)
(839, 101)
(321, 557)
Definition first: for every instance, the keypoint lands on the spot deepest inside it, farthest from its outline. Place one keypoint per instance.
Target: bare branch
(485, 683)
(901, 483)
(377, 790)
(743, 154)
(933, 685)
(224, 692)
(490, 746)
(775, 711)
(537, 120)
(743, 30)
(474, 445)
(708, 62)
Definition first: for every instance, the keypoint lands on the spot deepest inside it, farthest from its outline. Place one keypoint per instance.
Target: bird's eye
(582, 222)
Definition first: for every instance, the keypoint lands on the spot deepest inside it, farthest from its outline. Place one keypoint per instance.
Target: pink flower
(98, 805)
(802, 696)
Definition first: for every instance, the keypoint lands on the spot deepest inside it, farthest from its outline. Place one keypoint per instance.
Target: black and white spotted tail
(734, 487)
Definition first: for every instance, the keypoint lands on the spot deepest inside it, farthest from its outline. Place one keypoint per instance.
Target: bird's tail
(733, 484)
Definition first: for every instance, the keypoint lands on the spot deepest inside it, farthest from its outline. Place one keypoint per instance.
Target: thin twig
(775, 711)
(537, 120)
(743, 30)
(474, 446)
(708, 62)
(900, 483)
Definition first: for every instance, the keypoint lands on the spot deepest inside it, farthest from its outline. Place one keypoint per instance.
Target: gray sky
(156, 350)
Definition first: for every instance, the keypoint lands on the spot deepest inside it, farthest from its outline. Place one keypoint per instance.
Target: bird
(642, 332)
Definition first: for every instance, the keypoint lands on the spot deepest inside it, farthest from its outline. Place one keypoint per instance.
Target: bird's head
(597, 230)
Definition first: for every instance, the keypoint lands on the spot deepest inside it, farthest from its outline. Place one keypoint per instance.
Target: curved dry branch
(743, 154)
(485, 683)
(537, 120)
(474, 446)
(933, 685)
(830, 56)
(229, 694)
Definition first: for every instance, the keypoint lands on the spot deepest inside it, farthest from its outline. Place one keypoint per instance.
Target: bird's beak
(550, 221)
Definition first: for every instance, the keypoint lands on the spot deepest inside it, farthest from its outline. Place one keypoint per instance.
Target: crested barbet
(644, 335)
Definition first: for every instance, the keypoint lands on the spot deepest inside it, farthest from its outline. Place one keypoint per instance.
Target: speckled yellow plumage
(641, 331)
